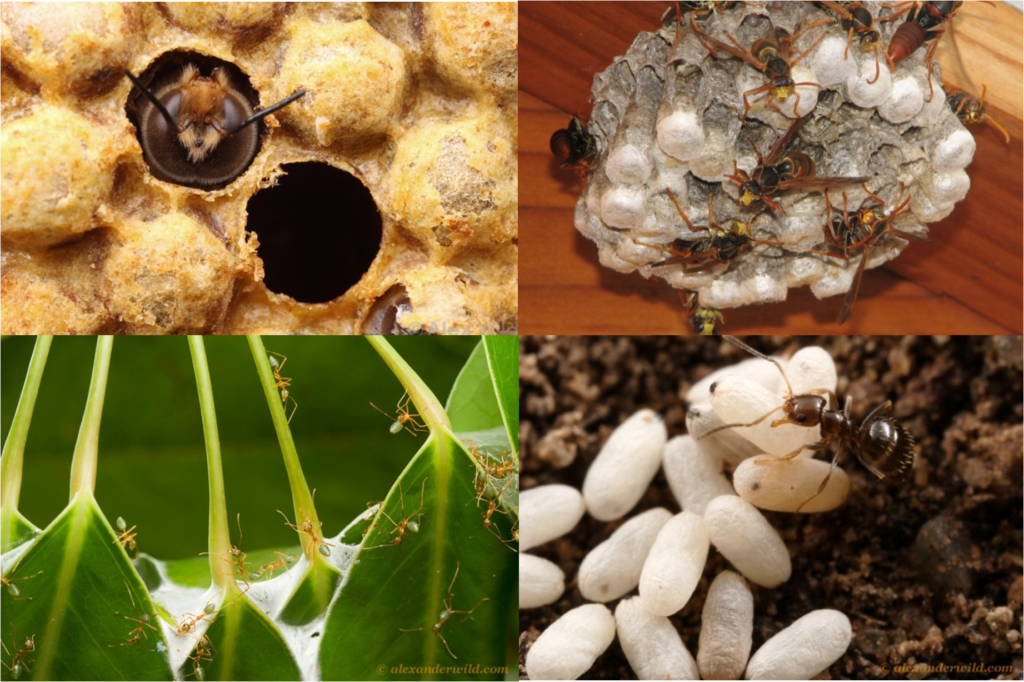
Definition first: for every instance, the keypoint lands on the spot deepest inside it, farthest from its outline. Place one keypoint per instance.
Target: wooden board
(969, 280)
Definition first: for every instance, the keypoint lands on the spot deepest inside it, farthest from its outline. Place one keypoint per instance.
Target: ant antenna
(736, 342)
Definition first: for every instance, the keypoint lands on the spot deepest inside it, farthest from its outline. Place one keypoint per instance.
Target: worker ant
(13, 590)
(446, 614)
(125, 536)
(307, 528)
(408, 524)
(18, 663)
(880, 442)
(406, 419)
(283, 383)
(137, 634)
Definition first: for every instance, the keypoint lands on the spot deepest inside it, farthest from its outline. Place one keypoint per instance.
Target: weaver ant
(237, 556)
(282, 382)
(408, 524)
(306, 528)
(137, 634)
(18, 663)
(880, 443)
(190, 621)
(405, 419)
(446, 614)
(125, 536)
(282, 562)
(202, 653)
(12, 589)
(492, 507)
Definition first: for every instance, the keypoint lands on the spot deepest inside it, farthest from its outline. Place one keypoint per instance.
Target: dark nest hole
(319, 230)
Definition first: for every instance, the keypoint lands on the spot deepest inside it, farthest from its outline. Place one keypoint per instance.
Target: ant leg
(824, 483)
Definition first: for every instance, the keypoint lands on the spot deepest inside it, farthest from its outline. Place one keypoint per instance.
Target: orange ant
(18, 662)
(492, 506)
(137, 634)
(407, 524)
(282, 562)
(126, 538)
(202, 653)
(446, 613)
(306, 528)
(238, 555)
(405, 419)
(12, 589)
(188, 624)
(282, 382)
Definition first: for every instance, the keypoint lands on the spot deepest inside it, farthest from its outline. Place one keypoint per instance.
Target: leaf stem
(301, 497)
(427, 404)
(220, 538)
(14, 446)
(84, 464)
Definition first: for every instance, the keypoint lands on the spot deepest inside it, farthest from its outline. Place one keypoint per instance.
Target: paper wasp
(970, 110)
(780, 171)
(772, 57)
(923, 25)
(721, 245)
(575, 145)
(858, 21)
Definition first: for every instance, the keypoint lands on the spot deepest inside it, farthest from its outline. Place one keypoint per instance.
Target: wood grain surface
(967, 281)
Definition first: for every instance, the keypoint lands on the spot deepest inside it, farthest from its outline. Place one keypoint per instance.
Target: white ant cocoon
(674, 564)
(569, 647)
(694, 475)
(625, 466)
(548, 512)
(726, 628)
(786, 485)
(804, 649)
(810, 369)
(725, 445)
(741, 401)
(613, 568)
(742, 534)
(652, 645)
(755, 369)
(540, 581)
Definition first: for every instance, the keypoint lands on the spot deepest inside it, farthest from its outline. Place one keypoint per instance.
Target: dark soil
(927, 568)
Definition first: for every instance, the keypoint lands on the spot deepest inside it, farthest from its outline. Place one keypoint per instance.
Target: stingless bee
(197, 130)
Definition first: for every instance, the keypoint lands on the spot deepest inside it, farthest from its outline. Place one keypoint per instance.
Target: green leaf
(246, 646)
(400, 579)
(78, 609)
(503, 360)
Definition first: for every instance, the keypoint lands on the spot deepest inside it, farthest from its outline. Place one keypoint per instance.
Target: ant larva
(12, 589)
(18, 663)
(137, 634)
(197, 130)
(306, 528)
(446, 614)
(881, 443)
(407, 524)
(405, 419)
(283, 383)
(125, 536)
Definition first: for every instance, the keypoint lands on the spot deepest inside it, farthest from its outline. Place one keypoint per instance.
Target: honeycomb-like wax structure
(667, 117)
(417, 101)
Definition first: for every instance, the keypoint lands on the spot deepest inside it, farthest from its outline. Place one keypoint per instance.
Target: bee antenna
(269, 110)
(152, 98)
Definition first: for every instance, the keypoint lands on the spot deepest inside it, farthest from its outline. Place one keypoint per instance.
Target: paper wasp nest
(667, 117)
(416, 101)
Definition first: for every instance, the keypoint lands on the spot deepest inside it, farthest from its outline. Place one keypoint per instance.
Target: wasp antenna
(152, 98)
(269, 110)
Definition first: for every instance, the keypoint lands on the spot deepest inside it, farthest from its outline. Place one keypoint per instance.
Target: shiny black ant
(881, 444)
